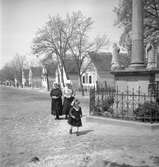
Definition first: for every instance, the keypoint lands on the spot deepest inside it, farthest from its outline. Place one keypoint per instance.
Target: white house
(97, 68)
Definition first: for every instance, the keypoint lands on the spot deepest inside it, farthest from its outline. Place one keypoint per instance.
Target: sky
(20, 20)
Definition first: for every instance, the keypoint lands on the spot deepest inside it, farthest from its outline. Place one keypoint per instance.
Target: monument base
(131, 80)
(137, 66)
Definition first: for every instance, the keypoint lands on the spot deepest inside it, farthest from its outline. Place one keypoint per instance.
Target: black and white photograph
(79, 83)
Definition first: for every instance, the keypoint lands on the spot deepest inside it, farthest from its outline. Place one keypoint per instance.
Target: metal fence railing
(129, 105)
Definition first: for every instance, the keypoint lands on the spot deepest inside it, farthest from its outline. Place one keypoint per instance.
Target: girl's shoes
(70, 131)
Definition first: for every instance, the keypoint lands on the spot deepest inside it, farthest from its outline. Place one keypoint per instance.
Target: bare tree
(17, 64)
(53, 38)
(80, 45)
(7, 73)
(70, 35)
(13, 69)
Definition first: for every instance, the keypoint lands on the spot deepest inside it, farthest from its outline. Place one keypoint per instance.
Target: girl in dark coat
(75, 115)
(56, 101)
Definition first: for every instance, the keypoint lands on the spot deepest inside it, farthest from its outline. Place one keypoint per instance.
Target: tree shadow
(84, 132)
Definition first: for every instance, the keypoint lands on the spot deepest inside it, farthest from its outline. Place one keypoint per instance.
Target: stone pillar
(137, 58)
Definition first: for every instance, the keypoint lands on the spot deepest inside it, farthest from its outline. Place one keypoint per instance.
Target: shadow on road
(84, 132)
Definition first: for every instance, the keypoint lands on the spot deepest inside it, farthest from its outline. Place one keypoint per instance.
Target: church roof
(102, 61)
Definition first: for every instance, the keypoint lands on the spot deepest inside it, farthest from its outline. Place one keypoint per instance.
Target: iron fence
(129, 105)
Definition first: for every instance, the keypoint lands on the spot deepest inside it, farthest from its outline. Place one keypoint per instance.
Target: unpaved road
(28, 130)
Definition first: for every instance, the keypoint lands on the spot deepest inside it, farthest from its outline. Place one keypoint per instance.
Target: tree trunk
(61, 68)
(64, 67)
(47, 80)
(81, 84)
(61, 76)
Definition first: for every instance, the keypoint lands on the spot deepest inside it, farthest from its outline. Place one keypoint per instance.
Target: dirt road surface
(29, 136)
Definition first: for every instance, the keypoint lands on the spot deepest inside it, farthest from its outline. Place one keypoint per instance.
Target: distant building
(35, 77)
(71, 69)
(25, 77)
(44, 78)
(18, 78)
(97, 67)
(48, 75)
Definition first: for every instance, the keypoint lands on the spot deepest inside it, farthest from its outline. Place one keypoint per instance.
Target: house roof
(36, 71)
(102, 61)
(51, 69)
(71, 66)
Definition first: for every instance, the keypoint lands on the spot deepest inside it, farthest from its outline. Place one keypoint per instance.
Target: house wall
(44, 82)
(30, 77)
(25, 82)
(51, 81)
(89, 77)
(106, 77)
(36, 83)
(100, 76)
(75, 81)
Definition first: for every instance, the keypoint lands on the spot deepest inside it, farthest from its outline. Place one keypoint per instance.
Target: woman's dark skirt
(67, 105)
(56, 106)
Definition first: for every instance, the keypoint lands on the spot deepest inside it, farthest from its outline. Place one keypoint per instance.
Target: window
(83, 79)
(90, 79)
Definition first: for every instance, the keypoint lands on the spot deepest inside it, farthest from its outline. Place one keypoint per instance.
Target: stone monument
(136, 75)
(150, 55)
(115, 58)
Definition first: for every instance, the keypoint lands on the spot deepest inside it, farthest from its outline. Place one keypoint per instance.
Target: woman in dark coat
(68, 94)
(56, 101)
(75, 115)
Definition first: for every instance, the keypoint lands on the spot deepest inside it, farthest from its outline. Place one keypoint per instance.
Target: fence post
(133, 100)
(127, 102)
(92, 100)
(122, 104)
(144, 101)
(117, 100)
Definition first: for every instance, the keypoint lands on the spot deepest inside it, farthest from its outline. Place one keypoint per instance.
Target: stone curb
(148, 126)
